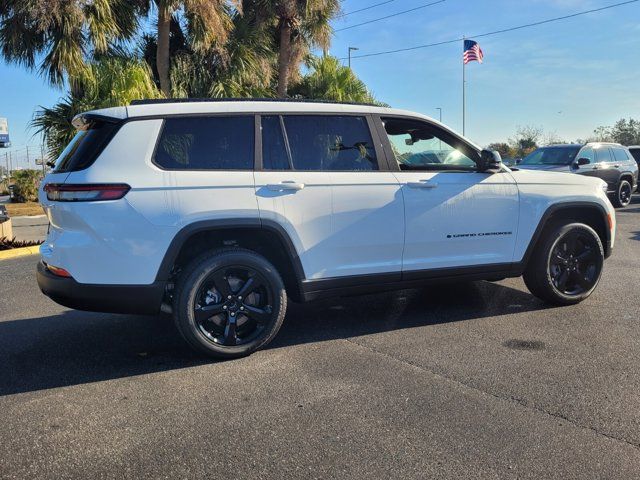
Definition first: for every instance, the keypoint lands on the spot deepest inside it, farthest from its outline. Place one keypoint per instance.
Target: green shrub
(6, 244)
(26, 184)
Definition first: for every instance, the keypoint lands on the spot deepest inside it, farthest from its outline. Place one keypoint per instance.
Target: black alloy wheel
(566, 264)
(229, 302)
(624, 193)
(233, 305)
(575, 263)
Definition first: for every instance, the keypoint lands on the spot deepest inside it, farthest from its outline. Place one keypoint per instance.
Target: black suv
(611, 162)
(635, 152)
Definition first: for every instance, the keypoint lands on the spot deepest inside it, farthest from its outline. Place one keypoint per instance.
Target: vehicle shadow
(369, 314)
(75, 347)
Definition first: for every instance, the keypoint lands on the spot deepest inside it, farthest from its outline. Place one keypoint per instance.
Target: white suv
(221, 210)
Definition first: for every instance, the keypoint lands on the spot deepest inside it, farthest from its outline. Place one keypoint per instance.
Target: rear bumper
(139, 299)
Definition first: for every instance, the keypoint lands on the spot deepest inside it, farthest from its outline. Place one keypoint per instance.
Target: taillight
(60, 272)
(65, 192)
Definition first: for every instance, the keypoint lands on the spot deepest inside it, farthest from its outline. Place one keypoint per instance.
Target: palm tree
(106, 82)
(208, 22)
(299, 26)
(329, 80)
(54, 37)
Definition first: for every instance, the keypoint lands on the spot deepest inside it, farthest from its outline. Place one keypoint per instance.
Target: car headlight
(604, 187)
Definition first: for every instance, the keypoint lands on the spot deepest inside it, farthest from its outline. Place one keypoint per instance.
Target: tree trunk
(162, 52)
(284, 56)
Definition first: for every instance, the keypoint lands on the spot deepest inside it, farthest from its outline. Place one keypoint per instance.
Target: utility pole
(27, 157)
(350, 50)
(6, 161)
(44, 172)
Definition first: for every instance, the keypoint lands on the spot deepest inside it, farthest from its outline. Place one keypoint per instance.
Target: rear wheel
(623, 195)
(229, 303)
(566, 266)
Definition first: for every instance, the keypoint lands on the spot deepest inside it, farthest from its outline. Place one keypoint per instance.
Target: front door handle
(422, 184)
(285, 185)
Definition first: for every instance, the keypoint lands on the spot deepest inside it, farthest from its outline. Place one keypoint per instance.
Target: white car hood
(554, 178)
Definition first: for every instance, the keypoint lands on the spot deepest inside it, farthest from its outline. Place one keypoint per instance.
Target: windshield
(551, 156)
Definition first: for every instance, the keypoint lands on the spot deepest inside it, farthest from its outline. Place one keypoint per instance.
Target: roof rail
(153, 101)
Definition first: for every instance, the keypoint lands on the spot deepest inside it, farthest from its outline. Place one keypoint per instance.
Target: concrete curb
(19, 252)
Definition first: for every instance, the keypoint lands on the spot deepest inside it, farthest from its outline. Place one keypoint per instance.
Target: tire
(212, 315)
(553, 269)
(622, 197)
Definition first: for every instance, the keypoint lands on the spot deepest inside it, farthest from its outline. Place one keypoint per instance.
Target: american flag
(472, 52)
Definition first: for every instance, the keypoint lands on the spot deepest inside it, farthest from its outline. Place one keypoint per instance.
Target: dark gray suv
(635, 152)
(611, 162)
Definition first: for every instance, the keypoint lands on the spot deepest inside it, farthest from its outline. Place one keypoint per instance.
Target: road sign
(4, 133)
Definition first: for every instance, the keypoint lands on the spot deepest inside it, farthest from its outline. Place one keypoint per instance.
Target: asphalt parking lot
(452, 381)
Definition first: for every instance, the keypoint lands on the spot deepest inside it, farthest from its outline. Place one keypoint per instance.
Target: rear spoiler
(86, 121)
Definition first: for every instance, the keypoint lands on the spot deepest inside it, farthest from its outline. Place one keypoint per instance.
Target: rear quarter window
(620, 154)
(85, 147)
(206, 143)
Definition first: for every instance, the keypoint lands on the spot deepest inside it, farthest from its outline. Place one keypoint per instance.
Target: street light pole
(349, 55)
(440, 111)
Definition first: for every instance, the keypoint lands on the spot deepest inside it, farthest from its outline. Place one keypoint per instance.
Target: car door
(208, 163)
(455, 215)
(602, 167)
(320, 179)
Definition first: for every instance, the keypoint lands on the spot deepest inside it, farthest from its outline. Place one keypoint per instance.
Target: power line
(365, 8)
(495, 32)
(389, 16)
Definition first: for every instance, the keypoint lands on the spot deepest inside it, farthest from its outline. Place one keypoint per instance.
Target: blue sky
(567, 77)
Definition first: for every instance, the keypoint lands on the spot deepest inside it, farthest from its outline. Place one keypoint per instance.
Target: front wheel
(566, 266)
(623, 194)
(229, 303)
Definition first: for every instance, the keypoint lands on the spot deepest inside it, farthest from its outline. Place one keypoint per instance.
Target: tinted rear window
(330, 143)
(85, 147)
(206, 143)
(274, 149)
(551, 156)
(620, 154)
(636, 153)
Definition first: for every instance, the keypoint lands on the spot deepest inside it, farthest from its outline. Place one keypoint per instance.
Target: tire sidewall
(559, 233)
(619, 199)
(189, 285)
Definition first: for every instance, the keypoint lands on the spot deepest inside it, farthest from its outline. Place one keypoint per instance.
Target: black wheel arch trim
(221, 224)
(544, 221)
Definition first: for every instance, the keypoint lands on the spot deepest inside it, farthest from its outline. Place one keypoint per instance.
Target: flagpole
(463, 90)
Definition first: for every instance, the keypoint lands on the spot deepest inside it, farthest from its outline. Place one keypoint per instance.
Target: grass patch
(8, 244)
(21, 209)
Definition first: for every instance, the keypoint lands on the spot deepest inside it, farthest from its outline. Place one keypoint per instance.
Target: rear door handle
(285, 185)
(422, 184)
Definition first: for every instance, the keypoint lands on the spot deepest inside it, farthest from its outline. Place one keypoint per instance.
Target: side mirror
(581, 161)
(490, 160)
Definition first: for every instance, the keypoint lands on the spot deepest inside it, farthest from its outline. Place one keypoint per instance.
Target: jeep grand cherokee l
(219, 211)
